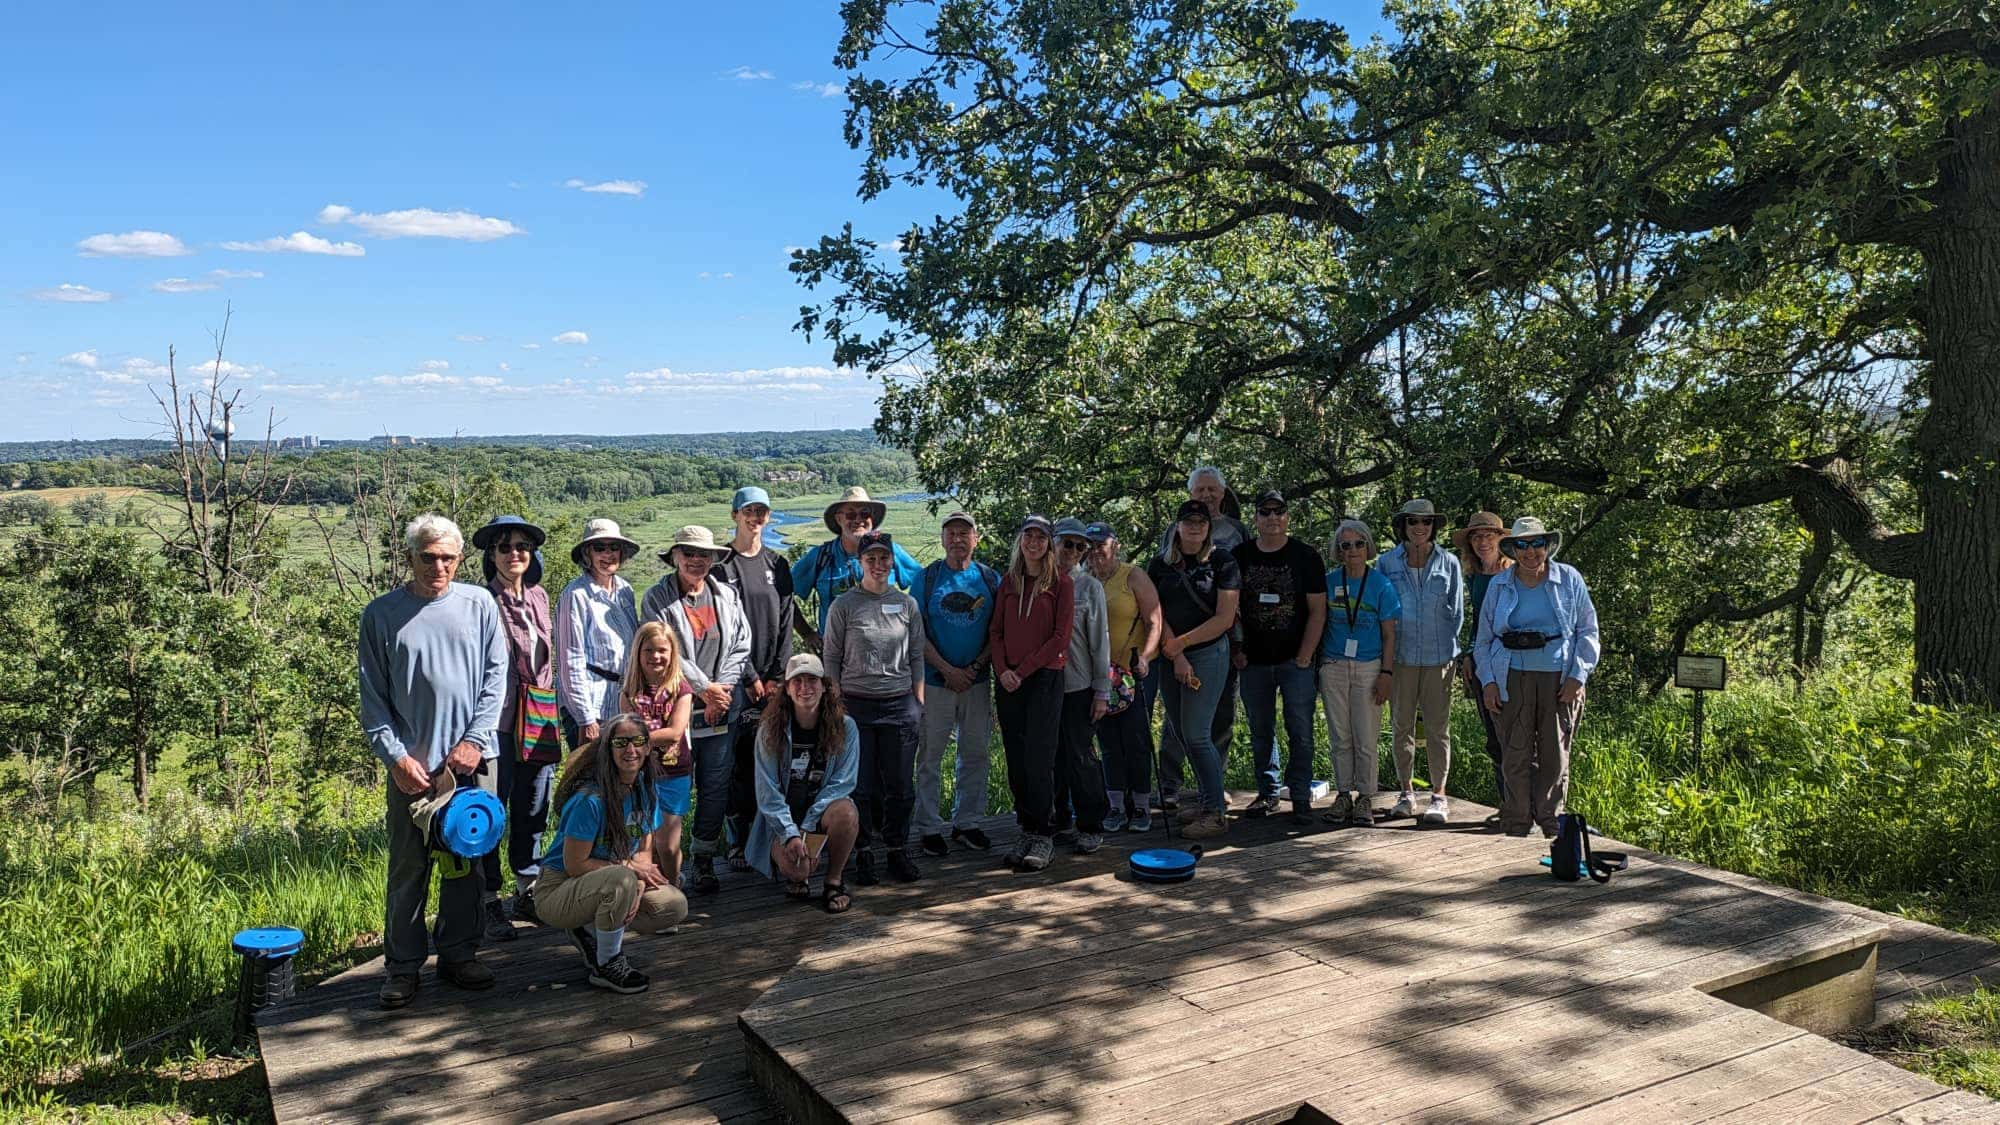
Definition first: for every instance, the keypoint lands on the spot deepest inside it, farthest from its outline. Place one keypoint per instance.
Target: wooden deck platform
(1305, 974)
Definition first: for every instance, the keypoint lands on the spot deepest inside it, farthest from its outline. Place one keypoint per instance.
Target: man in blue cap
(763, 582)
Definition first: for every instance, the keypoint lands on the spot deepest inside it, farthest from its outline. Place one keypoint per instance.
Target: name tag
(893, 607)
(1267, 599)
(799, 765)
(1353, 648)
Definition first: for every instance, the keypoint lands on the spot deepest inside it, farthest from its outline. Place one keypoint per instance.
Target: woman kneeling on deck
(808, 756)
(599, 879)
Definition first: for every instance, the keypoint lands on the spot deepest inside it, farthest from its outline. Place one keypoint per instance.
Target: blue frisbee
(1165, 865)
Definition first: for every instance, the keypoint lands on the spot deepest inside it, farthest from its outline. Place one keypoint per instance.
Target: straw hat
(1528, 527)
(694, 537)
(601, 529)
(855, 495)
(1480, 521)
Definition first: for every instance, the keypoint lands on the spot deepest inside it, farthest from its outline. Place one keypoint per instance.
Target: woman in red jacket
(1030, 635)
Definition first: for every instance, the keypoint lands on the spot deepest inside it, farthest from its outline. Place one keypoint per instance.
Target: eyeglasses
(1420, 521)
(1270, 511)
(600, 548)
(1351, 545)
(517, 547)
(627, 742)
(437, 560)
(854, 513)
(1075, 545)
(1538, 543)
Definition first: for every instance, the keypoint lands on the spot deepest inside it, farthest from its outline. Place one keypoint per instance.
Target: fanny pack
(602, 674)
(1526, 639)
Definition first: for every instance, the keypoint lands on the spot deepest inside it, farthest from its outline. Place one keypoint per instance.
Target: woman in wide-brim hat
(1479, 557)
(596, 616)
(512, 564)
(1537, 645)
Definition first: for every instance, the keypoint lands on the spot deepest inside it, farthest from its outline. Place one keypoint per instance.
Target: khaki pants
(602, 898)
(1424, 689)
(1353, 722)
(1535, 732)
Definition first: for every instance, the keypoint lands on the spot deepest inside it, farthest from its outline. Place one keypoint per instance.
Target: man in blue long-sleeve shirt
(432, 670)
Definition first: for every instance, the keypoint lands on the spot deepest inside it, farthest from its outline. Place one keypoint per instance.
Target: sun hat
(1528, 527)
(1192, 510)
(483, 539)
(804, 664)
(1416, 507)
(695, 537)
(855, 495)
(876, 541)
(960, 516)
(1069, 526)
(1099, 532)
(601, 529)
(747, 495)
(1037, 521)
(1480, 521)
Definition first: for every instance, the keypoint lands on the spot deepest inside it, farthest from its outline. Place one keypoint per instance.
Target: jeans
(1353, 722)
(1079, 778)
(714, 763)
(1193, 710)
(1030, 726)
(1263, 686)
(1173, 748)
(1126, 740)
(742, 806)
(459, 925)
(885, 793)
(525, 789)
(969, 714)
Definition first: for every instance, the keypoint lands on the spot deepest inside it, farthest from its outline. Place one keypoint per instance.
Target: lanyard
(1352, 598)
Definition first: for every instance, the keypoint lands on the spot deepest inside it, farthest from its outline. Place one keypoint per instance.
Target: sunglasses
(627, 742)
(1352, 545)
(854, 514)
(516, 547)
(1538, 543)
(1075, 545)
(437, 560)
(1270, 511)
(614, 548)
(1420, 521)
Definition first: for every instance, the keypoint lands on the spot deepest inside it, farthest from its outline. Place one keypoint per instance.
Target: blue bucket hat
(747, 495)
(484, 538)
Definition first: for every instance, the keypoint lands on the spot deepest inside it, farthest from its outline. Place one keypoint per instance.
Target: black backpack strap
(1598, 866)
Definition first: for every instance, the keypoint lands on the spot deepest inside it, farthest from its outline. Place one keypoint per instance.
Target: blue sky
(398, 202)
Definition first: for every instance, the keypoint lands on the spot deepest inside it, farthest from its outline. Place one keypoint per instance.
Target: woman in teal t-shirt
(598, 878)
(1357, 654)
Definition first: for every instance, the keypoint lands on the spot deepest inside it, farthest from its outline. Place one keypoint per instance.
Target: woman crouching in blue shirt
(598, 879)
(1536, 647)
(808, 756)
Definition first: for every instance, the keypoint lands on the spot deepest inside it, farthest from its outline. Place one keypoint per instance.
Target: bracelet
(1386, 672)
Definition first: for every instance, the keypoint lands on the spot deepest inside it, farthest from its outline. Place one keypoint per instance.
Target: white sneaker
(1439, 812)
(1406, 805)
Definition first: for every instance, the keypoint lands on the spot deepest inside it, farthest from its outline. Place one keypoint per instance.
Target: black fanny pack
(602, 674)
(1526, 639)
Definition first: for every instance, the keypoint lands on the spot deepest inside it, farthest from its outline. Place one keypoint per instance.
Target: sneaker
(1211, 825)
(618, 975)
(903, 867)
(1363, 812)
(586, 944)
(1342, 810)
(1302, 813)
(1114, 821)
(470, 974)
(1040, 849)
(1087, 842)
(1262, 806)
(864, 867)
(498, 926)
(703, 874)
(1406, 805)
(1188, 814)
(399, 990)
(933, 844)
(523, 908)
(972, 838)
(1064, 835)
(1017, 853)
(1439, 812)
(1170, 802)
(1140, 822)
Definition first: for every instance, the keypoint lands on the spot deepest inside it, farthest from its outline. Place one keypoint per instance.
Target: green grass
(1953, 1041)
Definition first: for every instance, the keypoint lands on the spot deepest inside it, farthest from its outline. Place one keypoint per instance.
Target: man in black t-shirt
(762, 579)
(1283, 611)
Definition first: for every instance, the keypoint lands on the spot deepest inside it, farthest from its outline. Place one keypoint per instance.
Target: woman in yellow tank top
(1125, 737)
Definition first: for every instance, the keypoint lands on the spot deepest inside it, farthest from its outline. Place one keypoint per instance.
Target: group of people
(619, 716)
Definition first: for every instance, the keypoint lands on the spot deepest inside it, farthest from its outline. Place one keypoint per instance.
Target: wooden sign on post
(1700, 673)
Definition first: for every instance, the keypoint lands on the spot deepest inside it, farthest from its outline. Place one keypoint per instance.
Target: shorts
(675, 794)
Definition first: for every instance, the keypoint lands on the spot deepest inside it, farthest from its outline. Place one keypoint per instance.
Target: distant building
(303, 441)
(395, 439)
(791, 476)
(576, 446)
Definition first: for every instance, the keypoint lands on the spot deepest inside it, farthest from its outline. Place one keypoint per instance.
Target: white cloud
(572, 338)
(183, 285)
(420, 379)
(531, 347)
(506, 367)
(610, 187)
(434, 365)
(236, 275)
(749, 74)
(132, 244)
(484, 381)
(299, 242)
(786, 380)
(23, 357)
(823, 89)
(421, 222)
(723, 276)
(469, 338)
(86, 359)
(71, 295)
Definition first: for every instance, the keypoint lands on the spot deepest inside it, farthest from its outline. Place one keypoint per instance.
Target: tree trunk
(1958, 445)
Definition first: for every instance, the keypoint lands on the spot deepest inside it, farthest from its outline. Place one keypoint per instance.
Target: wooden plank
(1854, 1095)
(1745, 1081)
(1954, 1107)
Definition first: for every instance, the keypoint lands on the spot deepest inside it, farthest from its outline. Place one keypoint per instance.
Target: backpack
(1570, 857)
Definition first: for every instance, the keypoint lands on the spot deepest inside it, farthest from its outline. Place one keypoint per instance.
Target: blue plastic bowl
(1165, 865)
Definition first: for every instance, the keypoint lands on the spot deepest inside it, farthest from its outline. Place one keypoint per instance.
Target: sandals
(834, 899)
(738, 861)
(798, 891)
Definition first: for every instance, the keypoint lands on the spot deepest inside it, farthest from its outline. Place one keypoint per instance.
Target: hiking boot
(1064, 835)
(1342, 810)
(934, 844)
(1439, 812)
(1087, 842)
(618, 975)
(1036, 856)
(523, 907)
(864, 867)
(470, 974)
(1302, 812)
(1363, 813)
(1140, 822)
(1114, 821)
(1262, 806)
(1406, 805)
(1016, 853)
(1170, 802)
(586, 944)
(399, 989)
(703, 873)
(1188, 814)
(903, 867)
(972, 838)
(498, 927)
(1211, 825)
